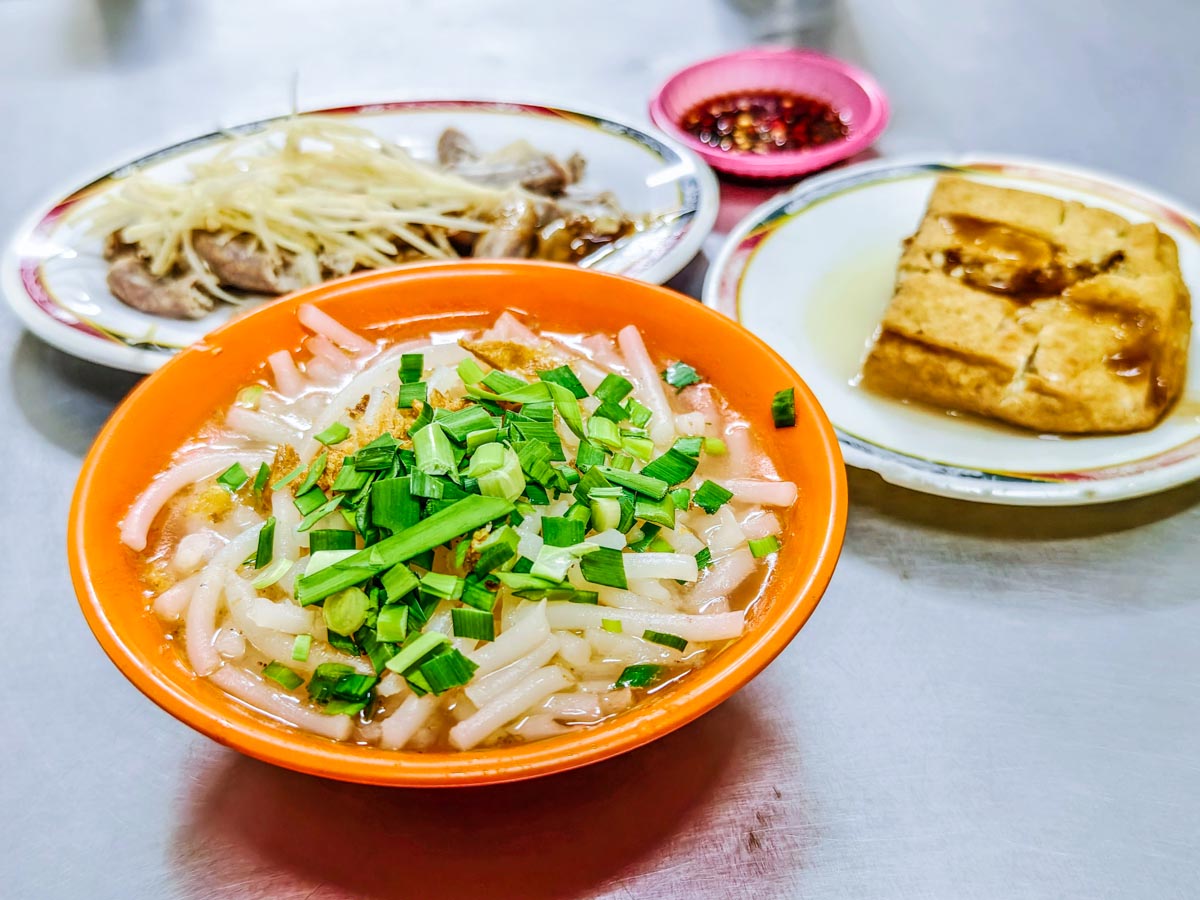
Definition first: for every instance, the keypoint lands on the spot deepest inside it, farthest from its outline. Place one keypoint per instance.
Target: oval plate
(812, 272)
(53, 272)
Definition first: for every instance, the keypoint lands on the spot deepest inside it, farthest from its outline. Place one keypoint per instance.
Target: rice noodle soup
(471, 539)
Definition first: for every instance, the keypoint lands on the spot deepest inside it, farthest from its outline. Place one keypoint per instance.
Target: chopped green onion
(764, 546)
(413, 653)
(266, 544)
(261, 479)
(581, 513)
(324, 678)
(649, 531)
(473, 623)
(435, 456)
(323, 559)
(398, 581)
(567, 473)
(535, 458)
(288, 478)
(673, 467)
(349, 479)
(565, 377)
(538, 411)
(460, 552)
(411, 367)
(447, 670)
(710, 497)
(604, 432)
(319, 513)
(689, 446)
(346, 611)
(377, 455)
(650, 485)
(424, 417)
(378, 650)
(502, 382)
(429, 486)
(614, 412)
(568, 408)
(315, 471)
(639, 676)
(271, 574)
(715, 447)
(605, 566)
(487, 458)
(482, 438)
(301, 646)
(392, 504)
(465, 515)
(682, 498)
(613, 389)
(561, 531)
(660, 512)
(783, 408)
(628, 504)
(679, 375)
(330, 539)
(588, 455)
(476, 592)
(497, 549)
(623, 461)
(340, 689)
(233, 477)
(607, 492)
(674, 641)
(344, 707)
(408, 394)
(309, 500)
(462, 422)
(282, 676)
(638, 447)
(469, 371)
(612, 625)
(442, 586)
(542, 432)
(553, 562)
(249, 396)
(658, 544)
(391, 626)
(334, 434)
(506, 481)
(606, 513)
(639, 415)
(518, 581)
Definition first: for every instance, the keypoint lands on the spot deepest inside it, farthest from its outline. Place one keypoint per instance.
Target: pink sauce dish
(803, 75)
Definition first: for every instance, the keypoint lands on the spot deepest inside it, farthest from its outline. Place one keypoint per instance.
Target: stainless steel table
(988, 703)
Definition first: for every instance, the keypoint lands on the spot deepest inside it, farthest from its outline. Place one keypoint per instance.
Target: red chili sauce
(764, 122)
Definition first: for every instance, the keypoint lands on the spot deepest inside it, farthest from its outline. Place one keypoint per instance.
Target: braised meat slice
(240, 261)
(511, 234)
(518, 163)
(175, 297)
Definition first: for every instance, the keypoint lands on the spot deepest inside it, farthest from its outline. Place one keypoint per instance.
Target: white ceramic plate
(812, 271)
(53, 271)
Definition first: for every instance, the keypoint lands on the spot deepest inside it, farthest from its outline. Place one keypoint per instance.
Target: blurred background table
(989, 703)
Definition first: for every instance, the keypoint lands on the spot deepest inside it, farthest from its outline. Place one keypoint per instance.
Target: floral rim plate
(53, 271)
(811, 271)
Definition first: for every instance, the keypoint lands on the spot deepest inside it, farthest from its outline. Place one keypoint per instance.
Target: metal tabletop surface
(989, 702)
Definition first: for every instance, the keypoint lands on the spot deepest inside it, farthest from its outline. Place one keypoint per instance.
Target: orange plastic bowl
(171, 405)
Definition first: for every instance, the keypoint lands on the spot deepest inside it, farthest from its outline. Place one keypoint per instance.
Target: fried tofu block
(1043, 313)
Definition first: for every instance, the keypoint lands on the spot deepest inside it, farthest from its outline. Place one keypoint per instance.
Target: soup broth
(472, 539)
